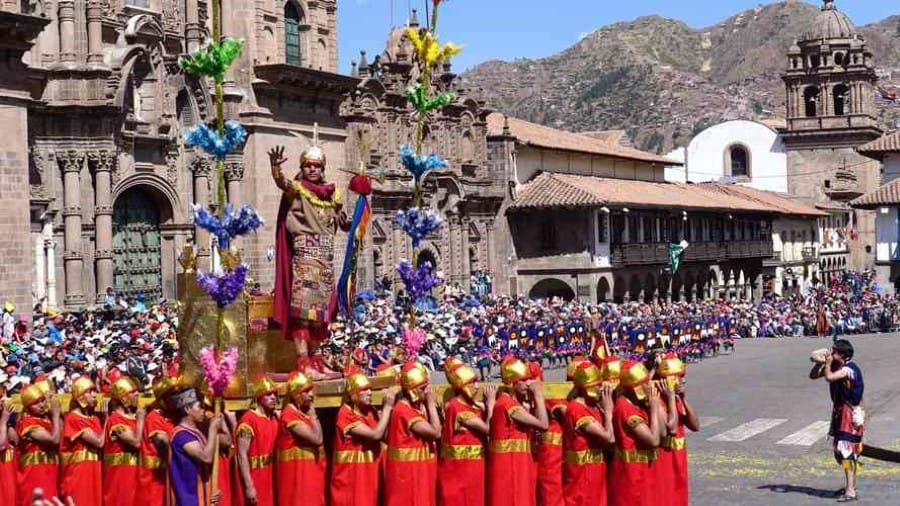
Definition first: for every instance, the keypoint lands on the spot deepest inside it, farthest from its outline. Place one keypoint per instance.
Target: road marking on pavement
(808, 435)
(748, 430)
(706, 421)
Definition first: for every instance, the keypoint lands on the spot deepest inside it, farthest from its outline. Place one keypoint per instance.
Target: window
(811, 100)
(738, 161)
(841, 99)
(601, 227)
(292, 19)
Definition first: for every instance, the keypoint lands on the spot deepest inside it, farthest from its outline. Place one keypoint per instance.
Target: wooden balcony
(658, 253)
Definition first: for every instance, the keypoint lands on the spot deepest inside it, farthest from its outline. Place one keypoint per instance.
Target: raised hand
(276, 156)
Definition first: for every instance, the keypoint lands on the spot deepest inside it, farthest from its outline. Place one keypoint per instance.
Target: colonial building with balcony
(594, 220)
(885, 202)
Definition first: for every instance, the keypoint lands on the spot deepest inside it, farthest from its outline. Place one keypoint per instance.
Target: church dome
(831, 24)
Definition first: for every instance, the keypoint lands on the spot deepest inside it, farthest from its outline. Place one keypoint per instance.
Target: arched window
(737, 158)
(292, 21)
(811, 100)
(841, 99)
(323, 55)
(468, 148)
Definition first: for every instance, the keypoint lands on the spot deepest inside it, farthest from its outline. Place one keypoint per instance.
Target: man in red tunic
(39, 444)
(587, 431)
(357, 444)
(638, 432)
(300, 456)
(672, 466)
(7, 452)
(462, 466)
(511, 469)
(153, 473)
(256, 433)
(123, 444)
(82, 443)
(411, 468)
(549, 451)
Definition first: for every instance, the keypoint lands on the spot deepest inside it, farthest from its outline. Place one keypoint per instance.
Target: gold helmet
(44, 384)
(611, 369)
(164, 385)
(586, 377)
(463, 379)
(450, 364)
(262, 387)
(670, 368)
(513, 370)
(355, 384)
(387, 371)
(297, 384)
(413, 376)
(313, 154)
(634, 377)
(121, 390)
(570, 369)
(31, 395)
(598, 355)
(80, 388)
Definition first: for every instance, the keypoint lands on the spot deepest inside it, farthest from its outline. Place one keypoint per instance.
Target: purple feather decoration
(418, 223)
(418, 281)
(234, 223)
(226, 287)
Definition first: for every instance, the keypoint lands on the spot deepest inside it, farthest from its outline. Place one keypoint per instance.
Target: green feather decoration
(417, 97)
(213, 60)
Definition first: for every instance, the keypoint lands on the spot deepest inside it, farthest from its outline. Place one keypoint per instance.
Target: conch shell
(819, 355)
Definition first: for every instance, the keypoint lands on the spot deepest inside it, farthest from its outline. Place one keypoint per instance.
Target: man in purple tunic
(191, 453)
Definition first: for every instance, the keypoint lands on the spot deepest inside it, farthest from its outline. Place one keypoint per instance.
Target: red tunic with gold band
(630, 481)
(670, 470)
(38, 463)
(263, 431)
(461, 474)
(120, 463)
(549, 455)
(8, 477)
(511, 468)
(82, 479)
(354, 467)
(584, 469)
(300, 467)
(153, 474)
(411, 467)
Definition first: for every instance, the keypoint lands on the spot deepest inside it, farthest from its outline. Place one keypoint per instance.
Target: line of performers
(618, 439)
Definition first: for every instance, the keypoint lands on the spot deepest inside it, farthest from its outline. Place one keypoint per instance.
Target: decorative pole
(219, 363)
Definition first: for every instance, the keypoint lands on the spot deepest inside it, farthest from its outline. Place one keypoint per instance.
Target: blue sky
(507, 29)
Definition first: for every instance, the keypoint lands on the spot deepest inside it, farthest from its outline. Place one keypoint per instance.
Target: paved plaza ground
(762, 439)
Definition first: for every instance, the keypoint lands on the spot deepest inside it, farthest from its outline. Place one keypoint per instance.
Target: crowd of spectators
(131, 336)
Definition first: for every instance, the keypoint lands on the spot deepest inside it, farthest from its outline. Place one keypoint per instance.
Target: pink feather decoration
(218, 375)
(414, 340)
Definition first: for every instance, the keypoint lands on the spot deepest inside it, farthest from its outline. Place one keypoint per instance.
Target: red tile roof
(889, 143)
(532, 134)
(553, 189)
(886, 195)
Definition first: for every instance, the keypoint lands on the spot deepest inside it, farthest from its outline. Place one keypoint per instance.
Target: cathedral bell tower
(830, 81)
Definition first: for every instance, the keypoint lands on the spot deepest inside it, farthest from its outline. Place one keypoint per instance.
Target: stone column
(201, 167)
(234, 174)
(192, 28)
(102, 162)
(50, 243)
(40, 268)
(466, 259)
(95, 34)
(73, 161)
(67, 32)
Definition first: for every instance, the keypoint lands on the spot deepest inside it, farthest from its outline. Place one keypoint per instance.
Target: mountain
(663, 81)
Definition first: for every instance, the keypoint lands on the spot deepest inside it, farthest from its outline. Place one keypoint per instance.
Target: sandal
(848, 498)
(841, 492)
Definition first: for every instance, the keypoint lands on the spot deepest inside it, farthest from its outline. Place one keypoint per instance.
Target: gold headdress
(80, 388)
(313, 154)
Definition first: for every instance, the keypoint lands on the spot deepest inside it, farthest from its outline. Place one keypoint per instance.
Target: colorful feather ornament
(218, 374)
(207, 139)
(428, 49)
(418, 280)
(413, 340)
(233, 224)
(423, 103)
(419, 165)
(213, 60)
(224, 288)
(418, 223)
